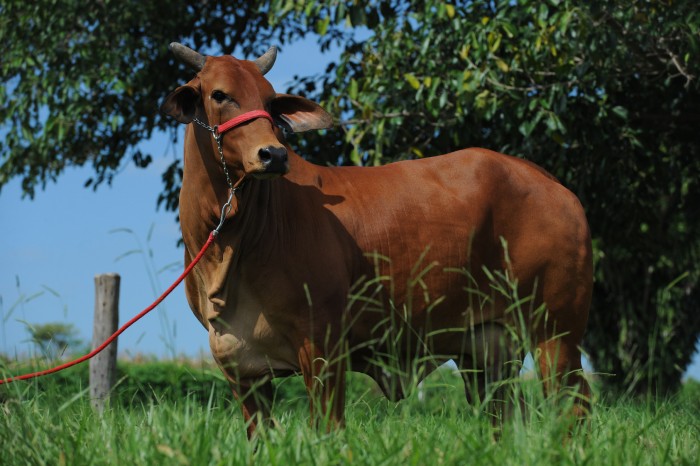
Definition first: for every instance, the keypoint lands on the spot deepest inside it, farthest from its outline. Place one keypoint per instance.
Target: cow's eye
(218, 96)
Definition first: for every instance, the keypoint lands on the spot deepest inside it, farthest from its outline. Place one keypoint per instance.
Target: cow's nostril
(273, 155)
(265, 154)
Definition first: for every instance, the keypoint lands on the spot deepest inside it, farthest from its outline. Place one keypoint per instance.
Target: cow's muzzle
(274, 161)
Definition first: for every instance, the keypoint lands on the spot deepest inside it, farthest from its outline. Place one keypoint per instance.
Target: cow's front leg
(324, 376)
(255, 399)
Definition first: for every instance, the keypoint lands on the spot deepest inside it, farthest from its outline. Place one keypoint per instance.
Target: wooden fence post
(103, 367)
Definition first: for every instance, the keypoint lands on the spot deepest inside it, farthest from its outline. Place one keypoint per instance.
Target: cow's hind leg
(558, 337)
(490, 367)
(255, 399)
(566, 287)
(559, 361)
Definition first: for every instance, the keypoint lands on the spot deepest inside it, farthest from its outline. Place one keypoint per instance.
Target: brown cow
(321, 269)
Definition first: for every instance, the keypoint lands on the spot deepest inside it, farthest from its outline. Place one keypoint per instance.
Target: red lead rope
(217, 132)
(121, 330)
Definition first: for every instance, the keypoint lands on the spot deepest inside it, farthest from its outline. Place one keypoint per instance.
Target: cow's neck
(262, 224)
(257, 208)
(264, 212)
(204, 189)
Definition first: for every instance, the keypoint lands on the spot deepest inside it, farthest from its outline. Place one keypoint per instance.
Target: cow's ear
(298, 114)
(181, 104)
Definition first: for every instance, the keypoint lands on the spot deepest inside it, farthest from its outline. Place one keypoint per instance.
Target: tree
(82, 80)
(602, 94)
(54, 339)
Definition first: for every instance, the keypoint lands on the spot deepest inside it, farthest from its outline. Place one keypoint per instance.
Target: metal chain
(226, 208)
(204, 125)
(217, 137)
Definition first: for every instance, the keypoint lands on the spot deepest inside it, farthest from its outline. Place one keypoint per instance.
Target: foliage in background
(82, 80)
(54, 339)
(602, 94)
(156, 381)
(137, 382)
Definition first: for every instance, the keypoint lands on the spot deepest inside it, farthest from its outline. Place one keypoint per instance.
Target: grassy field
(433, 426)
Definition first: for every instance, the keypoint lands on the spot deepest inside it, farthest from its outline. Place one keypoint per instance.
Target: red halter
(240, 119)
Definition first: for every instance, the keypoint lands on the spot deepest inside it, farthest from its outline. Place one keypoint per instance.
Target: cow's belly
(245, 346)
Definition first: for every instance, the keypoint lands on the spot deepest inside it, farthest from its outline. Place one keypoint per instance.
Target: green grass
(53, 428)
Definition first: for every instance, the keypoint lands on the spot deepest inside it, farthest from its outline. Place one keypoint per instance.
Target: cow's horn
(188, 56)
(266, 61)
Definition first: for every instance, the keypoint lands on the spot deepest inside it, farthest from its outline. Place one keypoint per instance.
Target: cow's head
(225, 88)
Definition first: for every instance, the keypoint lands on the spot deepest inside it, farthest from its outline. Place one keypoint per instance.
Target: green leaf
(509, 29)
(412, 80)
(352, 91)
(482, 99)
(503, 66)
(495, 41)
(355, 157)
(357, 15)
(322, 25)
(417, 152)
(620, 112)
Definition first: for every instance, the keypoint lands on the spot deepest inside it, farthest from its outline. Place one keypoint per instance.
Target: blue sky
(53, 246)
